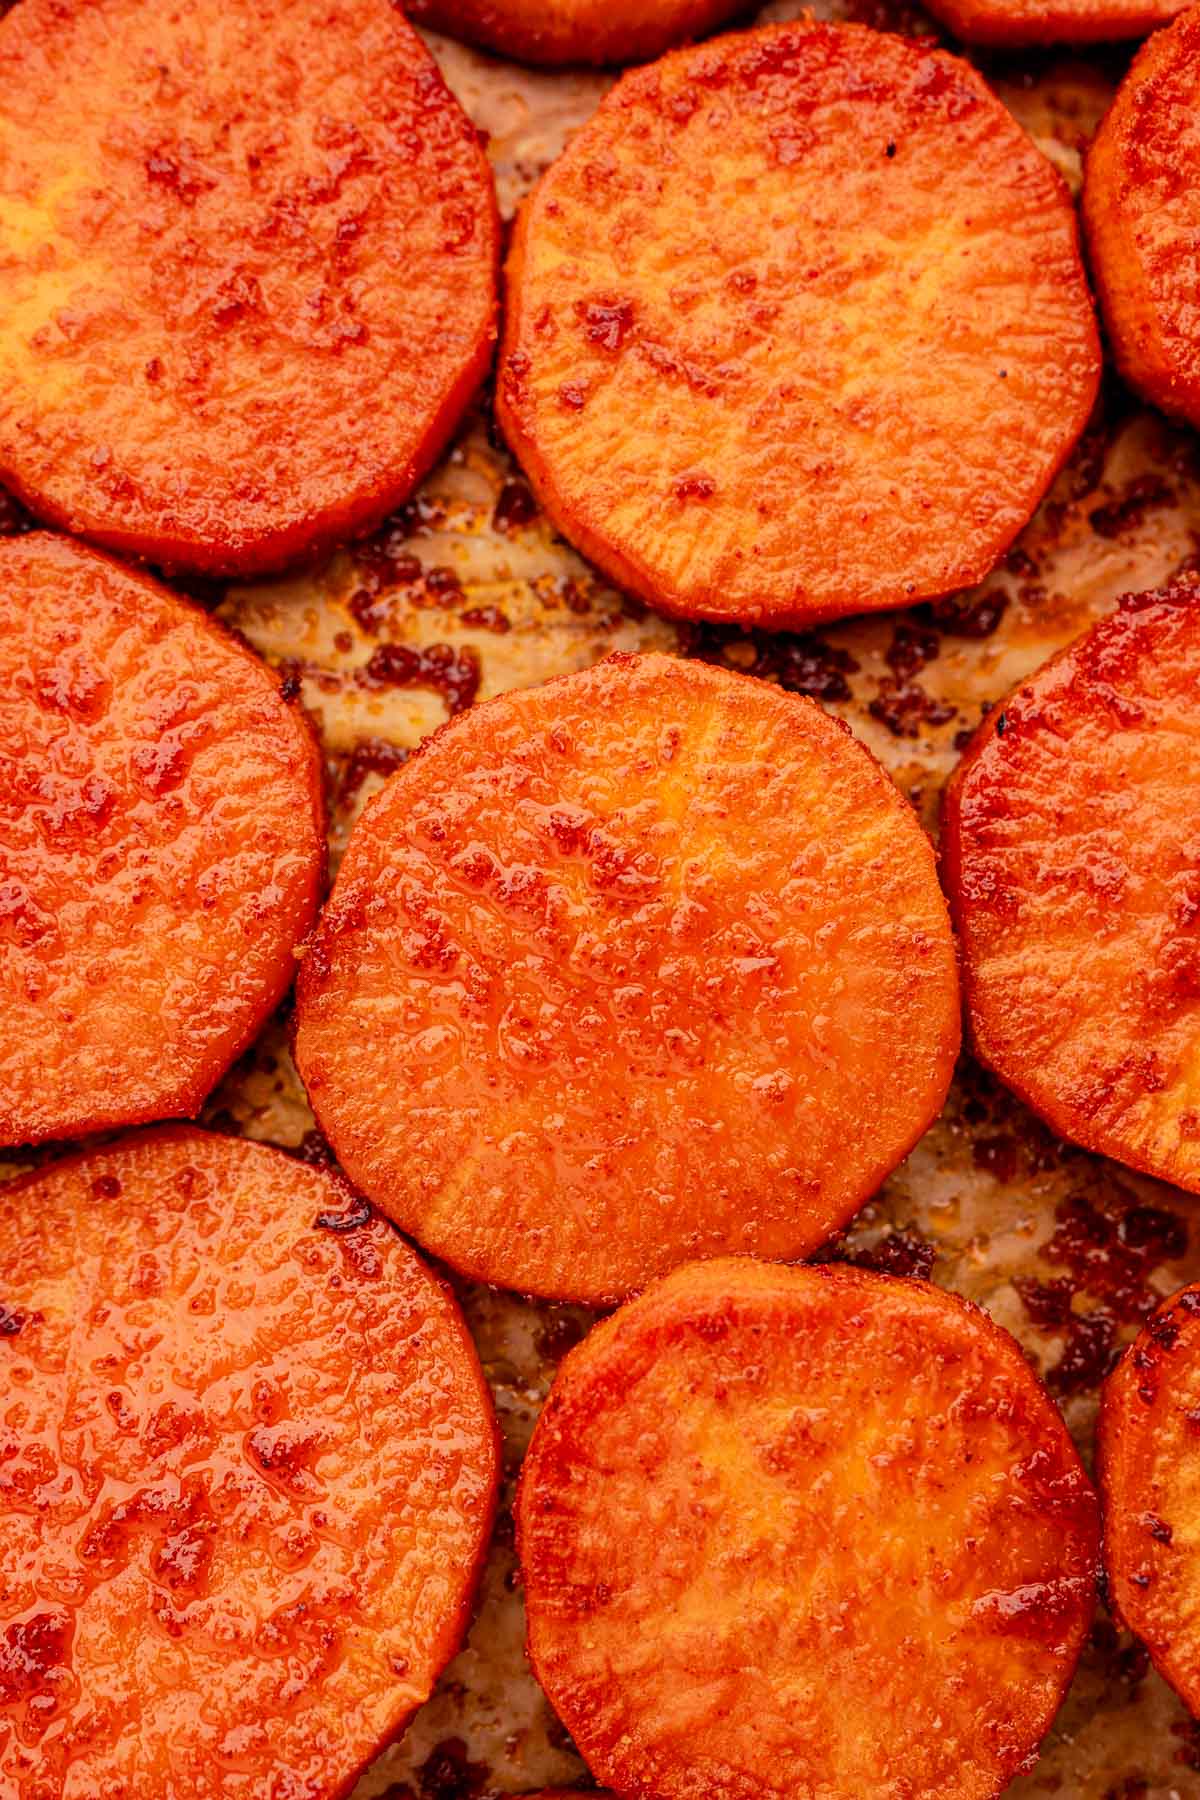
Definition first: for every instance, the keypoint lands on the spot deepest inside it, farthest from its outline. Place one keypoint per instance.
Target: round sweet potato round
(575, 31)
(247, 1473)
(161, 845)
(796, 328)
(1141, 209)
(1149, 1469)
(1072, 857)
(803, 1531)
(1009, 24)
(614, 976)
(247, 271)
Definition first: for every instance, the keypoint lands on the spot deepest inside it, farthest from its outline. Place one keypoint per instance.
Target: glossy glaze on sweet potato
(613, 976)
(247, 271)
(161, 845)
(247, 1472)
(1149, 1467)
(1014, 24)
(1141, 208)
(796, 328)
(1071, 850)
(555, 32)
(803, 1531)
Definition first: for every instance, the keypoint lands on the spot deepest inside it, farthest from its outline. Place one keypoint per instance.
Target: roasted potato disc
(797, 327)
(803, 1531)
(161, 845)
(575, 31)
(1011, 23)
(247, 271)
(1141, 208)
(1072, 855)
(614, 974)
(247, 1472)
(1149, 1466)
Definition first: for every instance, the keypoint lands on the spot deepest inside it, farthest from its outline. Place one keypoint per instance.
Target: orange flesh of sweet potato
(247, 1472)
(1141, 209)
(803, 1531)
(1014, 23)
(613, 976)
(1149, 1466)
(1072, 854)
(796, 328)
(575, 31)
(247, 271)
(161, 845)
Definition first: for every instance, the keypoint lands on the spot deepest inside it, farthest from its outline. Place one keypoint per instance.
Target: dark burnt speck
(971, 615)
(801, 662)
(515, 507)
(1109, 1247)
(357, 1214)
(14, 520)
(449, 1774)
(451, 671)
(903, 1251)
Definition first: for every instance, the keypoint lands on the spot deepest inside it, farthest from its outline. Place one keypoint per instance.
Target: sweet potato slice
(1141, 209)
(575, 31)
(247, 271)
(1012, 23)
(797, 327)
(1072, 857)
(803, 1531)
(247, 1476)
(613, 976)
(1149, 1469)
(161, 845)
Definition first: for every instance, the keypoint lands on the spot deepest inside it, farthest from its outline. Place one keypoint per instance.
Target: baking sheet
(467, 592)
